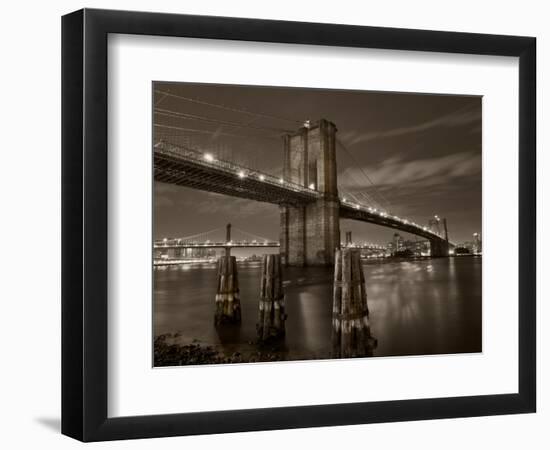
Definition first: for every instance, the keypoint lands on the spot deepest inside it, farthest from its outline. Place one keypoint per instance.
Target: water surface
(417, 307)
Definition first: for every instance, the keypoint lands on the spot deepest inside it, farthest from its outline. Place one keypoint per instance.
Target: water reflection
(416, 307)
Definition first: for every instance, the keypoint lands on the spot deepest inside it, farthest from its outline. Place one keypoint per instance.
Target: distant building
(417, 247)
(397, 243)
(477, 243)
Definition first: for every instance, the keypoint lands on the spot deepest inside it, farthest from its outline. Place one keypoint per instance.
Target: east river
(417, 307)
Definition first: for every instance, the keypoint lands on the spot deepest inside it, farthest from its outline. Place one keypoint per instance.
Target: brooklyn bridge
(307, 193)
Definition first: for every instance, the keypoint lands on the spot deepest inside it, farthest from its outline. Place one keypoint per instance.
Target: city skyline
(421, 152)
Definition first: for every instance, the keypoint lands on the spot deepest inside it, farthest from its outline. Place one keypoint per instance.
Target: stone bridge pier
(439, 248)
(311, 233)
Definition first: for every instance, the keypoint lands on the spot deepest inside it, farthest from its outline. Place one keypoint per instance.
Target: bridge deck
(350, 212)
(189, 168)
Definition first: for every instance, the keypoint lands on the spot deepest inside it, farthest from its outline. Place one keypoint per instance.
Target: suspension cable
(226, 108)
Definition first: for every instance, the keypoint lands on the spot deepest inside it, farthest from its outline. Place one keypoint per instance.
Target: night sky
(422, 152)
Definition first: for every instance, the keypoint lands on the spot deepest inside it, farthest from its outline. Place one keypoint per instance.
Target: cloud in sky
(463, 116)
(417, 173)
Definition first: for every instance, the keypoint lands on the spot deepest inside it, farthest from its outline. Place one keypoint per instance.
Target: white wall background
(30, 225)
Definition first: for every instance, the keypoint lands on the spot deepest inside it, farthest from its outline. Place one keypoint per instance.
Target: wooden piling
(271, 308)
(350, 315)
(228, 304)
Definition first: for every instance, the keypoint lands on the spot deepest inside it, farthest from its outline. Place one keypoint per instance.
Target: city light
(208, 157)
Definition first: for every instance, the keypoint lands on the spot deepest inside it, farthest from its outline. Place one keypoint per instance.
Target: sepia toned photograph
(294, 224)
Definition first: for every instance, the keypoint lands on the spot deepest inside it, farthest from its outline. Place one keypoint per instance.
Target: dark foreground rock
(168, 353)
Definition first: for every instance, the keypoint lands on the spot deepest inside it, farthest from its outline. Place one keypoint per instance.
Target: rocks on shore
(171, 354)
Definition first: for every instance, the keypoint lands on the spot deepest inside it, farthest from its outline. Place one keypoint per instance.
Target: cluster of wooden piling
(228, 304)
(350, 314)
(271, 311)
(351, 335)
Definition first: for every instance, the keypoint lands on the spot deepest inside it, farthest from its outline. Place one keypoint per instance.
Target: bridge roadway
(194, 169)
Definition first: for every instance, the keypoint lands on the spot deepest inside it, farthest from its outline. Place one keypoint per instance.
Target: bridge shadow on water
(417, 307)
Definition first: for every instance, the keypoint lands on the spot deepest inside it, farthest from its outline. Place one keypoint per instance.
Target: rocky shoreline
(169, 353)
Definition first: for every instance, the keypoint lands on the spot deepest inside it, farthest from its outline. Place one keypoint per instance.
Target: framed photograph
(273, 224)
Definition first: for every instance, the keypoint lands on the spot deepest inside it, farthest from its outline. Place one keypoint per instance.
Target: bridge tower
(439, 248)
(311, 233)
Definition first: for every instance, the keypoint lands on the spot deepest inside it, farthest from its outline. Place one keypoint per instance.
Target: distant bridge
(176, 244)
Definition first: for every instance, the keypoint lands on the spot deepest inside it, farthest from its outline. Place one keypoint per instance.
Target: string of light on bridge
(382, 213)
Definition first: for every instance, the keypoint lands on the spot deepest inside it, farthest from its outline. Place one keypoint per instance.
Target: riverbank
(168, 351)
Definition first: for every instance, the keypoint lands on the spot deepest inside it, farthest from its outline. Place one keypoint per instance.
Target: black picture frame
(84, 224)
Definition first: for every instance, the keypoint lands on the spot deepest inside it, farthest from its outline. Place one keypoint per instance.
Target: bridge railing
(386, 215)
(209, 160)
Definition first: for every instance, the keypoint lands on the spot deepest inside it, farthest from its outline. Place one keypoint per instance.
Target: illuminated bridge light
(208, 157)
(312, 186)
(281, 181)
(241, 174)
(344, 199)
(356, 206)
(261, 177)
